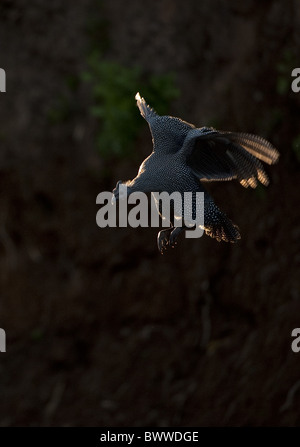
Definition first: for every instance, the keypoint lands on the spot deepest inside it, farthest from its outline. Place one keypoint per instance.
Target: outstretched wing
(217, 156)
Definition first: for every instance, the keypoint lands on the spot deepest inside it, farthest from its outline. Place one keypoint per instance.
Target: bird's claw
(172, 241)
(167, 238)
(163, 240)
(173, 236)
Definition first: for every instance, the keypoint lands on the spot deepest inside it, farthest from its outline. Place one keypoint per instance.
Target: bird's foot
(163, 239)
(168, 238)
(174, 235)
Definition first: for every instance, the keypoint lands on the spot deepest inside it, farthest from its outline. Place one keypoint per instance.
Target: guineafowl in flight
(184, 156)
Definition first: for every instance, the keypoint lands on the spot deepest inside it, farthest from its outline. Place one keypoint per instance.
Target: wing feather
(219, 156)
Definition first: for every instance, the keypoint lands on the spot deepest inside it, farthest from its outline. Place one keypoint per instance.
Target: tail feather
(218, 226)
(146, 111)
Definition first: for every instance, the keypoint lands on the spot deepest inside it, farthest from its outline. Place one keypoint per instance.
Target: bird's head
(123, 190)
(120, 192)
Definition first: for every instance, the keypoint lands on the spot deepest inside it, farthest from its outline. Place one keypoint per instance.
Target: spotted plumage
(184, 157)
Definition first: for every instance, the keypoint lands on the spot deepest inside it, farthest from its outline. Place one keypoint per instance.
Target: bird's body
(185, 156)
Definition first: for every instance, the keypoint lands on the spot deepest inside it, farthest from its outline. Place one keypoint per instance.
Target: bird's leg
(164, 235)
(163, 239)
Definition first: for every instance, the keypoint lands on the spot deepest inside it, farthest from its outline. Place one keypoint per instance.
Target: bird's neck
(145, 182)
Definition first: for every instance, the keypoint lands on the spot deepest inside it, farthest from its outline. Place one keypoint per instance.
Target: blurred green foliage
(64, 104)
(60, 110)
(113, 88)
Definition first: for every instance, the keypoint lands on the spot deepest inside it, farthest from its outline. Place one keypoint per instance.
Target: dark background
(102, 329)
